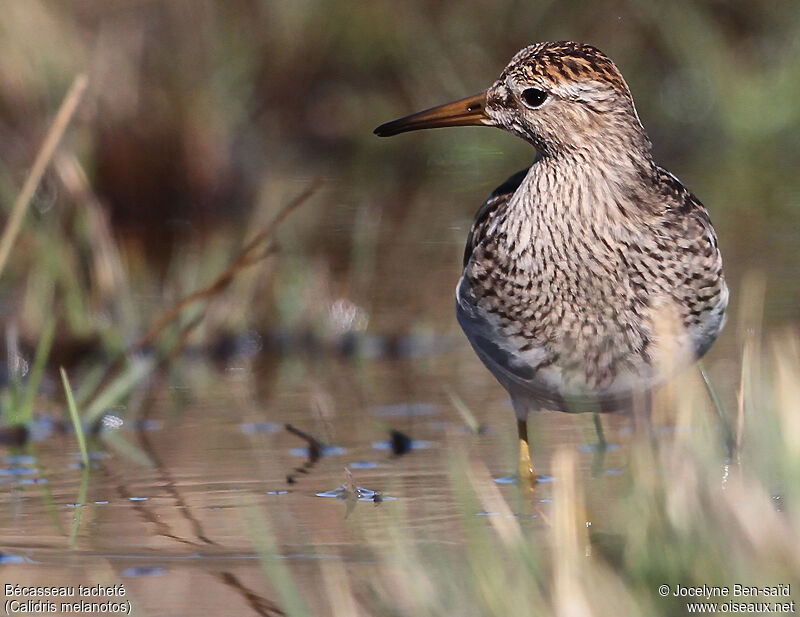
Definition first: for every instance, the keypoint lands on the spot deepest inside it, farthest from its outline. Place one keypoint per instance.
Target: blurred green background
(202, 118)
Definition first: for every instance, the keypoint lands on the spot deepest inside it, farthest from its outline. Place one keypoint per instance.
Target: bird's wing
(701, 286)
(490, 207)
(516, 370)
(531, 374)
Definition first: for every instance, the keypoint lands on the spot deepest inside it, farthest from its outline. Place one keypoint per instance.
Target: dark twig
(248, 256)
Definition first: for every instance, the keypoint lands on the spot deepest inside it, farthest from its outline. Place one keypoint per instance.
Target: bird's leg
(642, 415)
(602, 445)
(525, 470)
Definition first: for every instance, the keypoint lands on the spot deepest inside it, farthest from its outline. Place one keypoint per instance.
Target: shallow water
(167, 505)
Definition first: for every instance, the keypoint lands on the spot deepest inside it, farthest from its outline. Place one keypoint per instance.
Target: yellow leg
(525, 471)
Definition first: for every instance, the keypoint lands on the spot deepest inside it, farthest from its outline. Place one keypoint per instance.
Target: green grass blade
(79, 506)
(117, 389)
(76, 419)
(90, 380)
(290, 596)
(12, 401)
(722, 414)
(25, 413)
(465, 412)
(127, 450)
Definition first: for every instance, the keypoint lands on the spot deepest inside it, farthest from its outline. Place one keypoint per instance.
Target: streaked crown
(564, 62)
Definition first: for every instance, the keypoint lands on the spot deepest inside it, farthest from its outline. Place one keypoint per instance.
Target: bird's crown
(564, 61)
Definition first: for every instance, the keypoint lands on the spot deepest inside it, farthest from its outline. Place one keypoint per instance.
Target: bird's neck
(601, 186)
(579, 201)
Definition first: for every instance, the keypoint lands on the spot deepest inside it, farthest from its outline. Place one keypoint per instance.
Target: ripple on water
(416, 444)
(363, 465)
(8, 558)
(256, 428)
(19, 459)
(505, 515)
(361, 494)
(18, 471)
(595, 447)
(143, 571)
(404, 410)
(79, 465)
(326, 451)
(513, 479)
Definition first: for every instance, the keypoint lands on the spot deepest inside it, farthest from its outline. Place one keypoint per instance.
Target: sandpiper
(582, 272)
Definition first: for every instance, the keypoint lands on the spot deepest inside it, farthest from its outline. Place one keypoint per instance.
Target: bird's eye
(533, 97)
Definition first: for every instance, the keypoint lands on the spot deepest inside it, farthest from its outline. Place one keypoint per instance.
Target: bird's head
(561, 97)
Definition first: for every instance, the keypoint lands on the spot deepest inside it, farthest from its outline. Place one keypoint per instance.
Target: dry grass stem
(248, 256)
(51, 141)
(502, 518)
(255, 250)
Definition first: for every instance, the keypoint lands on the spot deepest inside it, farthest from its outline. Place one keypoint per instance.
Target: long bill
(470, 111)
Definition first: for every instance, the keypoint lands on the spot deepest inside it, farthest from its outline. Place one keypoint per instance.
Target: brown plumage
(594, 274)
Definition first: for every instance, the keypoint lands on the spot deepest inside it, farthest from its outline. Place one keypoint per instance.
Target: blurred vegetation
(684, 513)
